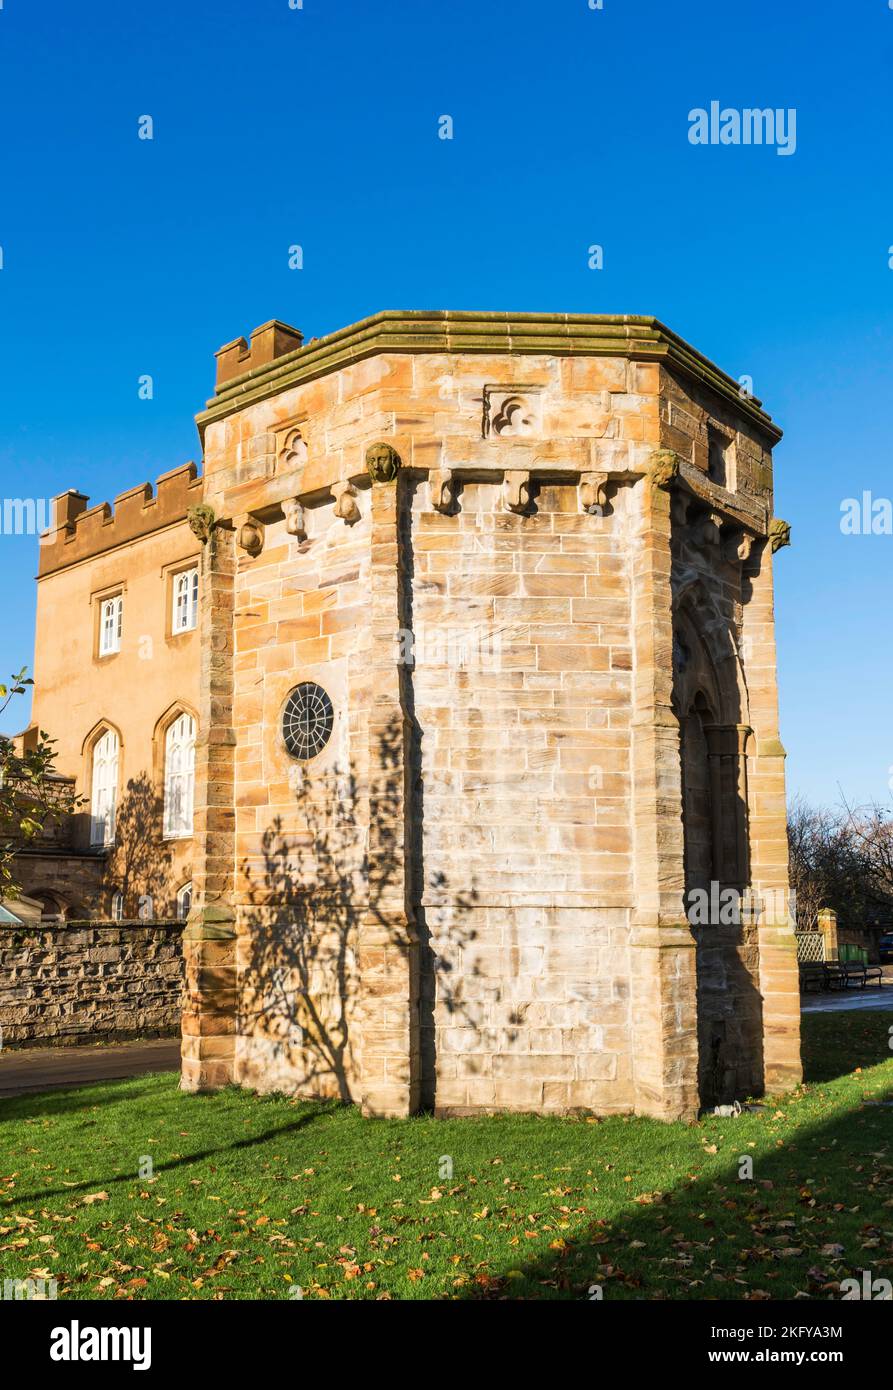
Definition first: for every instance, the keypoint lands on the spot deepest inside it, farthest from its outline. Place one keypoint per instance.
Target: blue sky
(319, 126)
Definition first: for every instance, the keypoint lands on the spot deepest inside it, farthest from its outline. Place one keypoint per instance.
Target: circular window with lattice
(307, 721)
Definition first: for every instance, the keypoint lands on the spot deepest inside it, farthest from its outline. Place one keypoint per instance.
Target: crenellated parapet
(80, 532)
(267, 343)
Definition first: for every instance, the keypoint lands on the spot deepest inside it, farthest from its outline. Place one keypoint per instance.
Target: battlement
(273, 339)
(79, 531)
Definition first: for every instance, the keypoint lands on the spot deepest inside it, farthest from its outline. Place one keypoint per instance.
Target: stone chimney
(66, 508)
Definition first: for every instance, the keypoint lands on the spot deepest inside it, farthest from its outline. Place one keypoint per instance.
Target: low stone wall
(81, 982)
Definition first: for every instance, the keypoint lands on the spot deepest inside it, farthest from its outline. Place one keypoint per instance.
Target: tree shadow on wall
(139, 865)
(346, 858)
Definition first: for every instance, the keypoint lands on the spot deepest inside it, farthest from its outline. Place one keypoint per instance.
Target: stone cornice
(638, 337)
(734, 507)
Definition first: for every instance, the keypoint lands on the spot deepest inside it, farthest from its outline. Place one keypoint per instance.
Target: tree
(31, 792)
(841, 859)
(871, 830)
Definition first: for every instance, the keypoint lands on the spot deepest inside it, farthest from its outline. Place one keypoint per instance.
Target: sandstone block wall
(301, 614)
(733, 786)
(522, 686)
(87, 982)
(475, 898)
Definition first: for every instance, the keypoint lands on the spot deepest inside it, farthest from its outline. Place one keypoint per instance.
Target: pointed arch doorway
(713, 743)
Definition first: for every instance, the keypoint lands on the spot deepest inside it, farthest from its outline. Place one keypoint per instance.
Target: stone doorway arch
(710, 700)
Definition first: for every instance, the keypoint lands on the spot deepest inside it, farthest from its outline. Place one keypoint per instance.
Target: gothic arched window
(179, 777)
(185, 601)
(104, 790)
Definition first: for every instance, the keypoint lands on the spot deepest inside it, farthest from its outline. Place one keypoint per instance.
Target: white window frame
(118, 906)
(183, 909)
(184, 600)
(111, 622)
(104, 789)
(179, 777)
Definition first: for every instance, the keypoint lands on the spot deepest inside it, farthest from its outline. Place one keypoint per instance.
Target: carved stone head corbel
(664, 468)
(779, 533)
(382, 462)
(201, 521)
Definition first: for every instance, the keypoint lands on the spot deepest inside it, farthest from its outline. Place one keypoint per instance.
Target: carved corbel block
(251, 536)
(592, 493)
(516, 490)
(680, 505)
(294, 518)
(779, 533)
(201, 521)
(345, 495)
(710, 528)
(442, 484)
(738, 546)
(664, 468)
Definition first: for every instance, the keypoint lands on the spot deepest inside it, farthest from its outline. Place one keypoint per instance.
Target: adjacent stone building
(482, 685)
(116, 672)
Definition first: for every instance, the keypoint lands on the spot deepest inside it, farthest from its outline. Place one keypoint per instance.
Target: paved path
(50, 1068)
(868, 998)
(53, 1068)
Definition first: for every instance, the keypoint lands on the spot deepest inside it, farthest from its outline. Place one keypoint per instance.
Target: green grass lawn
(253, 1196)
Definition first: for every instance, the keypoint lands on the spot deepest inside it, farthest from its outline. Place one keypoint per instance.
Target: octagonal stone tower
(488, 687)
